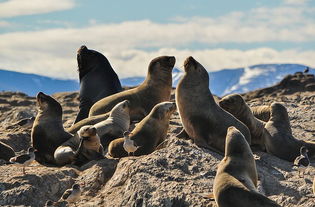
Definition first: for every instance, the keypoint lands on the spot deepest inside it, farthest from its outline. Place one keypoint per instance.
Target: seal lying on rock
(97, 79)
(48, 132)
(281, 142)
(6, 152)
(235, 183)
(113, 127)
(148, 133)
(156, 88)
(203, 120)
(236, 105)
(83, 147)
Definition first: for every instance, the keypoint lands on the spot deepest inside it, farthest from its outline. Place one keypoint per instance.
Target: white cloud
(12, 8)
(295, 2)
(4, 24)
(53, 52)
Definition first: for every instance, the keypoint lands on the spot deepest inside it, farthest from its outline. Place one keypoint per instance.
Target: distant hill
(222, 82)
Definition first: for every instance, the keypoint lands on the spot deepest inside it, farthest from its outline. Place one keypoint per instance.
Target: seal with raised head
(203, 120)
(97, 79)
(48, 132)
(148, 133)
(235, 183)
(81, 148)
(235, 104)
(281, 142)
(155, 88)
(6, 152)
(113, 127)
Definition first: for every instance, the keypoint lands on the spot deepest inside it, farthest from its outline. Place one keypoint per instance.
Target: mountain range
(221, 82)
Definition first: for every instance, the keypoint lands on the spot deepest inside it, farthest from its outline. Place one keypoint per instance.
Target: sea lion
(113, 127)
(48, 132)
(281, 142)
(261, 112)
(6, 152)
(314, 186)
(203, 120)
(155, 88)
(97, 80)
(235, 183)
(148, 133)
(81, 148)
(235, 104)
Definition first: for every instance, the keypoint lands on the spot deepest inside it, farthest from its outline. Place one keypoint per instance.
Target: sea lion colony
(228, 128)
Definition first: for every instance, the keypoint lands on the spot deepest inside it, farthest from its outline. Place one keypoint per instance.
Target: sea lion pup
(155, 88)
(261, 112)
(148, 133)
(235, 183)
(113, 127)
(281, 142)
(97, 79)
(236, 105)
(81, 148)
(48, 132)
(6, 152)
(203, 120)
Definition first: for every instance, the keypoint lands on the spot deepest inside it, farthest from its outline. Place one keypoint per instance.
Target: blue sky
(42, 36)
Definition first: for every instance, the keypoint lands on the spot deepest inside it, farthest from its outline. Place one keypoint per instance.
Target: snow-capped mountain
(222, 82)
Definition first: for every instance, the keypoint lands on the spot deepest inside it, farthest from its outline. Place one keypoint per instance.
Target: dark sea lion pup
(235, 183)
(155, 88)
(97, 79)
(281, 142)
(147, 134)
(48, 132)
(203, 120)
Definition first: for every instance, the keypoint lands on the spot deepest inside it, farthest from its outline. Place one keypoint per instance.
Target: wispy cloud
(295, 2)
(12, 8)
(4, 24)
(131, 45)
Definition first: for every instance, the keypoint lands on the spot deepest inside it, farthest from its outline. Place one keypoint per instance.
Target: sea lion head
(88, 59)
(236, 144)
(232, 103)
(48, 105)
(162, 63)
(278, 112)
(196, 71)
(86, 132)
(163, 110)
(121, 108)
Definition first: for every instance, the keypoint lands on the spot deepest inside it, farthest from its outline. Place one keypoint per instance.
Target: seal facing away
(155, 88)
(148, 133)
(97, 79)
(235, 184)
(235, 104)
(48, 132)
(81, 148)
(113, 127)
(203, 120)
(6, 152)
(281, 142)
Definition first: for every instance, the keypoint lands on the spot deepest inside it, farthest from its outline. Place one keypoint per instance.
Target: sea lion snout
(190, 62)
(82, 49)
(126, 103)
(171, 61)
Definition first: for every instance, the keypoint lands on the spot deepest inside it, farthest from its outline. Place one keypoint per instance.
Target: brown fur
(156, 88)
(203, 120)
(48, 132)
(148, 133)
(261, 112)
(235, 183)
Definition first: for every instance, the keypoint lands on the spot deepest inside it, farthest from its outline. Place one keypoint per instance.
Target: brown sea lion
(203, 120)
(81, 148)
(261, 112)
(148, 133)
(236, 105)
(235, 183)
(48, 132)
(6, 152)
(111, 128)
(155, 88)
(97, 79)
(281, 142)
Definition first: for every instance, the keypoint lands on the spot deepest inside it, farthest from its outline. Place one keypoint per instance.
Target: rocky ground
(178, 175)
